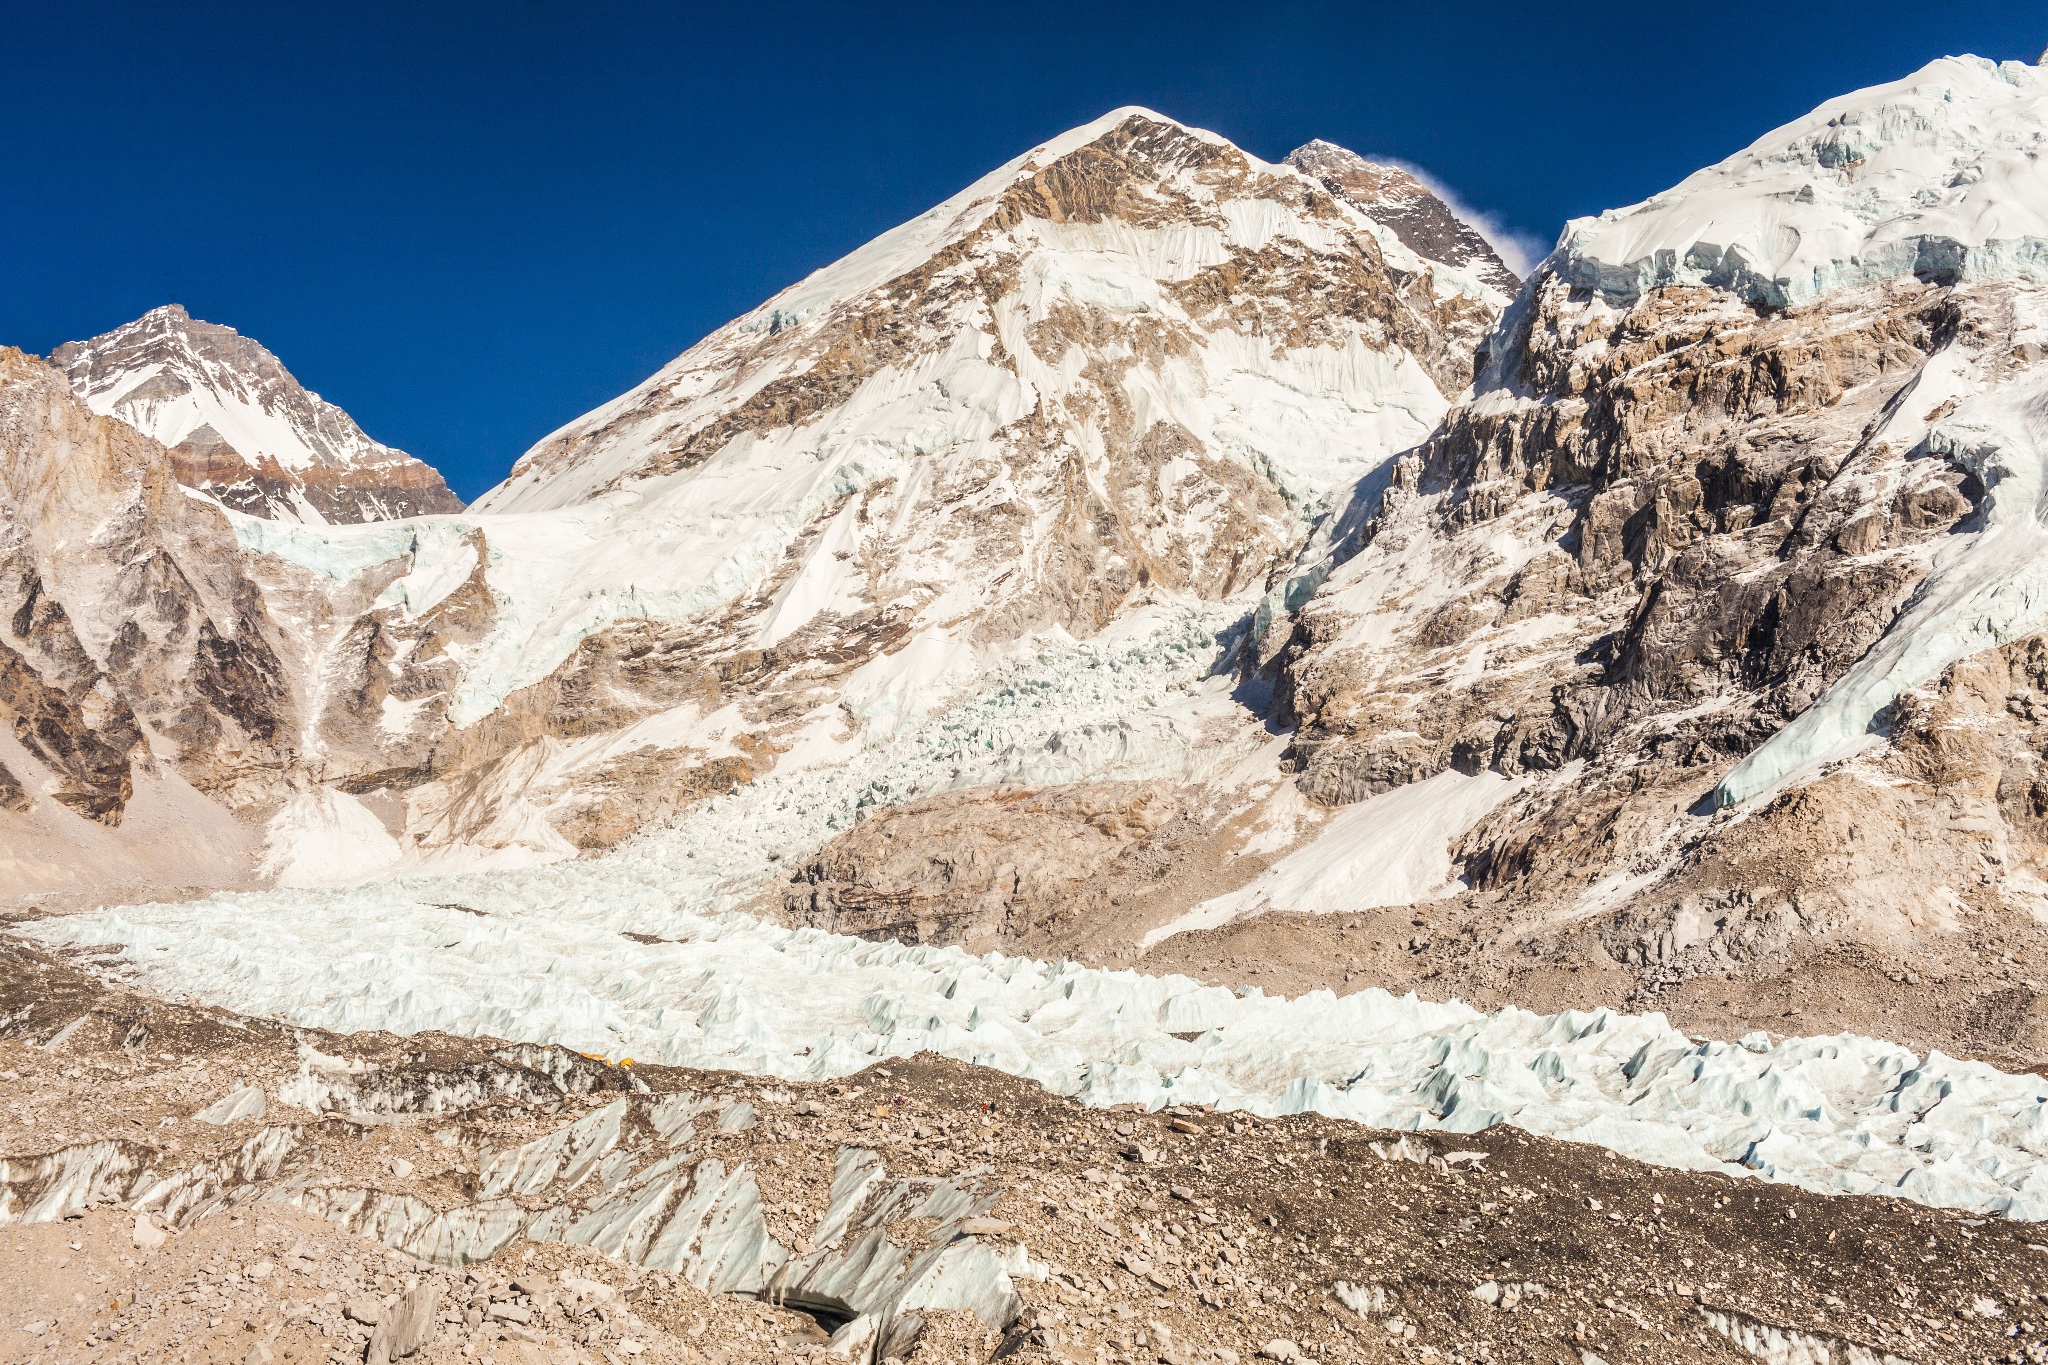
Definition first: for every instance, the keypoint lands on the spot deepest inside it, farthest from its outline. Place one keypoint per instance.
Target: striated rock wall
(1704, 519)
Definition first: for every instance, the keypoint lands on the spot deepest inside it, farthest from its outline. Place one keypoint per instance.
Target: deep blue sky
(469, 224)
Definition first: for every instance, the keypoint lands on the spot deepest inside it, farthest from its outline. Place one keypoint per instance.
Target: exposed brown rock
(93, 758)
(983, 867)
(126, 599)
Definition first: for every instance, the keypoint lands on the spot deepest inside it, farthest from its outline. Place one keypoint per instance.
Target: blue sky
(469, 224)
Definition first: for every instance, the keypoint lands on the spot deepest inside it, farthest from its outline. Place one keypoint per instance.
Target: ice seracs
(1936, 176)
(602, 956)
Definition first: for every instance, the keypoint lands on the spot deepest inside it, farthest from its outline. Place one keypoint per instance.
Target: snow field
(1391, 849)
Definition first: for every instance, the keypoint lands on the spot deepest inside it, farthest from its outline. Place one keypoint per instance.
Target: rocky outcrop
(88, 752)
(242, 430)
(1704, 520)
(990, 867)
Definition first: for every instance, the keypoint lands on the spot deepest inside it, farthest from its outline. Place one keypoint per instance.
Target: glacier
(644, 953)
(1935, 175)
(544, 955)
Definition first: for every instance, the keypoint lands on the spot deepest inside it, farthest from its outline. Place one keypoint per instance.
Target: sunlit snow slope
(1936, 175)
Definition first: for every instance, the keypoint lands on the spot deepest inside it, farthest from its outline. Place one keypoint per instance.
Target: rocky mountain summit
(241, 429)
(1104, 392)
(1103, 395)
(1393, 196)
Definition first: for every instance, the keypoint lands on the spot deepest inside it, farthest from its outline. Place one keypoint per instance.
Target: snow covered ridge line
(1935, 175)
(548, 959)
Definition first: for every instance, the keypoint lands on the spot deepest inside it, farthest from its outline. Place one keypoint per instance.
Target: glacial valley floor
(1179, 1236)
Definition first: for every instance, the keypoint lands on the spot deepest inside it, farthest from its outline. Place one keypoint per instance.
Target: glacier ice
(551, 961)
(1935, 175)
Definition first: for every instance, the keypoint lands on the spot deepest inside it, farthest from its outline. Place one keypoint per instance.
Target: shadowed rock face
(283, 450)
(1702, 502)
(1396, 199)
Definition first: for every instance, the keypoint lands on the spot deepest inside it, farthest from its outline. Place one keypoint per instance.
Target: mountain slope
(145, 696)
(240, 428)
(1107, 388)
(1072, 570)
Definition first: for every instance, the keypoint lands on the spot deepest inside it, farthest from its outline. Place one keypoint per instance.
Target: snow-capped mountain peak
(239, 426)
(1123, 213)
(1108, 387)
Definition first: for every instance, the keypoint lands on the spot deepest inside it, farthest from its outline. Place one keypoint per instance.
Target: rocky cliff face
(1704, 570)
(138, 663)
(241, 429)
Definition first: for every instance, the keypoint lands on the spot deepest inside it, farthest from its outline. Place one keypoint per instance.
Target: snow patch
(1393, 849)
(326, 837)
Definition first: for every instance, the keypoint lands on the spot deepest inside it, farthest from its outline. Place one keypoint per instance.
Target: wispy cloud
(1521, 250)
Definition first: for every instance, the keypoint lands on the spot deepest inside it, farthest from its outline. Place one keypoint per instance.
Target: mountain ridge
(1395, 196)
